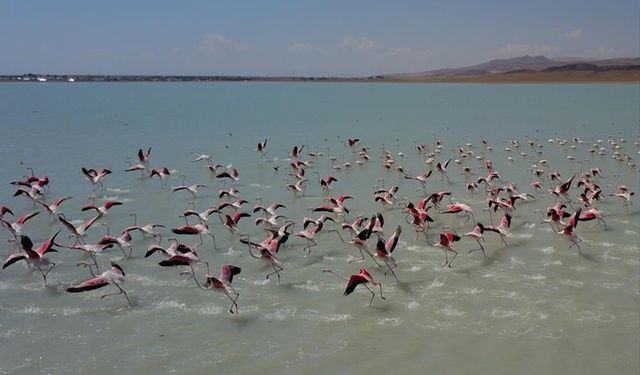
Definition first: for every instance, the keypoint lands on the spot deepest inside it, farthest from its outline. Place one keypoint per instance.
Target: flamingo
(309, 234)
(193, 189)
(460, 207)
(232, 193)
(446, 240)
(266, 256)
(79, 232)
(262, 147)
(422, 179)
(477, 234)
(29, 192)
(102, 210)
(184, 256)
(16, 227)
(5, 210)
(503, 229)
(123, 241)
(270, 210)
(53, 208)
(114, 276)
(201, 157)
(202, 216)
(144, 229)
(384, 250)
(199, 229)
(163, 174)
(442, 168)
(363, 277)
(594, 214)
(360, 244)
(143, 157)
(626, 196)
(231, 223)
(233, 176)
(34, 257)
(92, 250)
(297, 187)
(167, 252)
(222, 283)
(96, 177)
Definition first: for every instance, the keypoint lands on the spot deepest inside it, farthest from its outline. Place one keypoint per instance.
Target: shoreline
(626, 77)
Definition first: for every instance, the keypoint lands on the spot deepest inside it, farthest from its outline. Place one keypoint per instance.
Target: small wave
(437, 283)
(629, 231)
(30, 310)
(415, 248)
(450, 311)
(472, 291)
(169, 305)
(536, 277)
(390, 322)
(413, 305)
(260, 186)
(573, 283)
(500, 314)
(415, 268)
(548, 263)
(308, 286)
(119, 190)
(548, 250)
(280, 314)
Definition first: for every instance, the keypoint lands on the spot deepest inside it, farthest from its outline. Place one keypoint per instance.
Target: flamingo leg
(455, 254)
(373, 295)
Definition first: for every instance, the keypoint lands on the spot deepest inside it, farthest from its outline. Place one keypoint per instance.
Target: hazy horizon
(328, 38)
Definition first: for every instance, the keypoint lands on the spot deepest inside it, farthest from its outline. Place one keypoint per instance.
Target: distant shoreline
(630, 76)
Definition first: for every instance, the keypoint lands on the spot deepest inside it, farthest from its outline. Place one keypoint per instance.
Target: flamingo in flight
(359, 244)
(446, 240)
(231, 223)
(80, 231)
(193, 189)
(96, 177)
(266, 256)
(124, 241)
(53, 207)
(199, 229)
(233, 176)
(384, 250)
(163, 174)
(363, 277)
(261, 148)
(145, 229)
(16, 227)
(114, 276)
(222, 284)
(34, 257)
(102, 210)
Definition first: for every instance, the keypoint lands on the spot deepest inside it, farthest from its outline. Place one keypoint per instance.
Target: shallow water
(533, 307)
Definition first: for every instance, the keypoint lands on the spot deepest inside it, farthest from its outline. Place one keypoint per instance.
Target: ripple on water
(280, 314)
(119, 190)
(450, 311)
(389, 322)
(548, 250)
(500, 314)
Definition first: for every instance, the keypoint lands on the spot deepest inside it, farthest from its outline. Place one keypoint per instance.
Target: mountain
(532, 68)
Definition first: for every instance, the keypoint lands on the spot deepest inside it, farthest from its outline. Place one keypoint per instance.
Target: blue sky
(343, 38)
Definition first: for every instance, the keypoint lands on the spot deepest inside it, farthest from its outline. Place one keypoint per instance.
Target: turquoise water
(533, 307)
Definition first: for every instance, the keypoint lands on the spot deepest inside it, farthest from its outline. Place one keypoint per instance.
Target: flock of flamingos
(569, 199)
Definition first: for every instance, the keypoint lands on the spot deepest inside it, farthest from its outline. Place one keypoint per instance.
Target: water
(534, 307)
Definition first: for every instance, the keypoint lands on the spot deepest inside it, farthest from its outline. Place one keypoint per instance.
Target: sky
(298, 37)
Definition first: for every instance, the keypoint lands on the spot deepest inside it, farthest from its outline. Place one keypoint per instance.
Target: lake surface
(533, 307)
